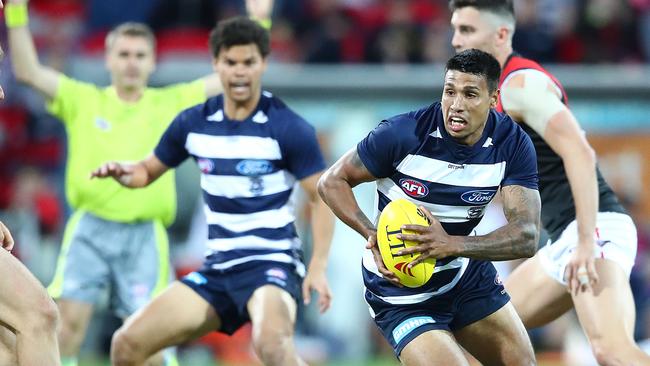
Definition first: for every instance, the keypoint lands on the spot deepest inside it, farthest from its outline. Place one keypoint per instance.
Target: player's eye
(465, 29)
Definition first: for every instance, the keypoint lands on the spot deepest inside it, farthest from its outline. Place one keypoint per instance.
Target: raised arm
(260, 10)
(136, 175)
(532, 98)
(24, 59)
(517, 239)
(322, 225)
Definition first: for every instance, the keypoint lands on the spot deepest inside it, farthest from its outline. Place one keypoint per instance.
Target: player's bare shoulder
(530, 96)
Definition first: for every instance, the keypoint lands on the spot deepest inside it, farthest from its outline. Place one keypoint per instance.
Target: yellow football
(397, 213)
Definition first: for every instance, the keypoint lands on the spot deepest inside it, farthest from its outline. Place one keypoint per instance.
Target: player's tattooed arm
(365, 221)
(519, 237)
(335, 187)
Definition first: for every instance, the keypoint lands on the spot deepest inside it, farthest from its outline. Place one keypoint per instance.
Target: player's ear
(502, 35)
(264, 63)
(494, 98)
(215, 64)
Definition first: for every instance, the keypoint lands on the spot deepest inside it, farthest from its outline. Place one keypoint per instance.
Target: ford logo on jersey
(254, 167)
(478, 197)
(413, 188)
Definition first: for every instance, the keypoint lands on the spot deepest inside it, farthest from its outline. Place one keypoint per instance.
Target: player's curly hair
(239, 31)
(477, 62)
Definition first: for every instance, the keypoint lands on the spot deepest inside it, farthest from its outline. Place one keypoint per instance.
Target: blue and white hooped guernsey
(248, 170)
(413, 157)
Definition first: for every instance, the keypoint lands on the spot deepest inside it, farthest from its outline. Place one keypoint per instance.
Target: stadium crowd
(361, 31)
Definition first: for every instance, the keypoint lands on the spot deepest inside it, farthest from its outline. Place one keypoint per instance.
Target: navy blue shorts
(478, 294)
(228, 291)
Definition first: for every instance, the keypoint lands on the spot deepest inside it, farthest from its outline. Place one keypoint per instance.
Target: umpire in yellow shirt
(115, 240)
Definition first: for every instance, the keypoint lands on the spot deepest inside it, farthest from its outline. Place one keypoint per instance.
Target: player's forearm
(136, 175)
(517, 239)
(322, 225)
(581, 173)
(24, 59)
(566, 138)
(338, 195)
(259, 9)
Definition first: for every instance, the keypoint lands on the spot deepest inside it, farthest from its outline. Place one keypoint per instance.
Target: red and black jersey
(558, 208)
(516, 63)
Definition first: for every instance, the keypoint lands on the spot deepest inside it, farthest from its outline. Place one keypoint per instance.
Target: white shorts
(617, 241)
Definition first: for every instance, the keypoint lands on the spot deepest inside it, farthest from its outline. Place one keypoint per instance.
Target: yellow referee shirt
(101, 127)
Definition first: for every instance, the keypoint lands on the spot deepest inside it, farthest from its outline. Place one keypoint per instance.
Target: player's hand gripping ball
(393, 216)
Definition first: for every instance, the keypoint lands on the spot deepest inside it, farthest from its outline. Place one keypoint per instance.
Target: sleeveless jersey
(558, 208)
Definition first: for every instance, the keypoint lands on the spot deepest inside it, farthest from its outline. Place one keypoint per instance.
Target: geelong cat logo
(478, 197)
(413, 188)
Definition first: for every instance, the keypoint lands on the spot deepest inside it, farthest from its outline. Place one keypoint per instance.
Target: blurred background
(344, 65)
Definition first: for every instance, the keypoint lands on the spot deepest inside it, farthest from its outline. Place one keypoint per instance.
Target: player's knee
(43, 318)
(71, 326)
(124, 348)
(523, 357)
(604, 357)
(50, 315)
(607, 354)
(519, 352)
(273, 345)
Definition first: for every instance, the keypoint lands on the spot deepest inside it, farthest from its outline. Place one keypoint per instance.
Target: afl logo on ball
(413, 188)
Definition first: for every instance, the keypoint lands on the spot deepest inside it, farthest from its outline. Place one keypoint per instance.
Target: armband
(265, 23)
(16, 15)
